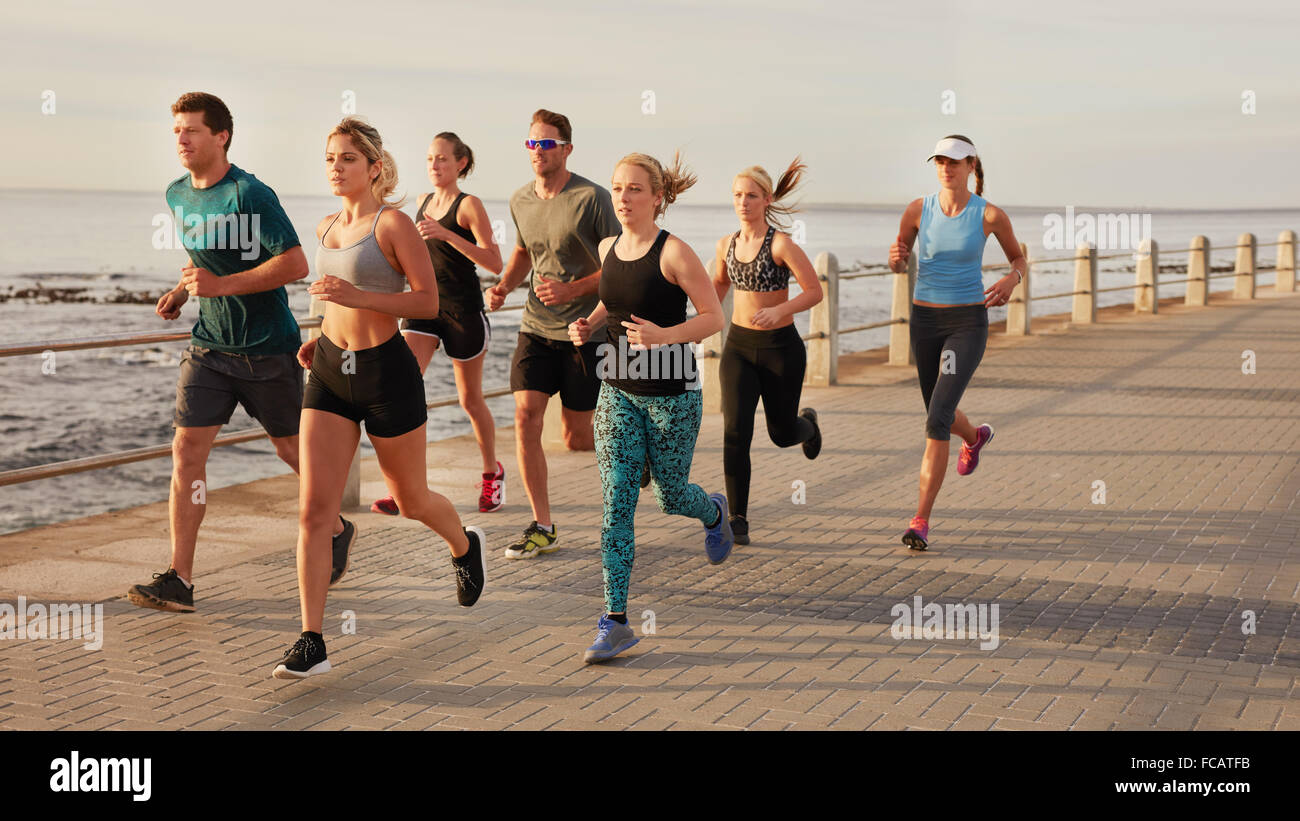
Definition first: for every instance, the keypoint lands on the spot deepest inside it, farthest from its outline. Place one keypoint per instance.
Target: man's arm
(277, 271)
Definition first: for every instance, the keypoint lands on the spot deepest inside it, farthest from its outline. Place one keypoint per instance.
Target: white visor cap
(953, 149)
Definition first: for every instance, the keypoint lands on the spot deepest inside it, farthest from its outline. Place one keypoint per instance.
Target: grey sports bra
(759, 274)
(361, 263)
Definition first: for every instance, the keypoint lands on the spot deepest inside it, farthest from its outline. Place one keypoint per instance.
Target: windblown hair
(670, 182)
(777, 211)
(366, 139)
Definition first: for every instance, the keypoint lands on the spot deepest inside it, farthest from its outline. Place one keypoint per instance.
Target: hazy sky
(1104, 103)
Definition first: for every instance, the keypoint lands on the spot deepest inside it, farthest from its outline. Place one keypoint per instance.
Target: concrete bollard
(352, 487)
(1146, 297)
(1243, 284)
(1198, 269)
(1018, 311)
(1285, 262)
(711, 351)
(1084, 307)
(900, 337)
(823, 351)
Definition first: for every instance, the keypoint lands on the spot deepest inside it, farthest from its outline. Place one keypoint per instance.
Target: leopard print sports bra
(759, 274)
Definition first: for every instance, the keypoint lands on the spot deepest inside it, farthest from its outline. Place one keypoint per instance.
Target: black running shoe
(471, 569)
(342, 549)
(645, 476)
(813, 446)
(167, 592)
(305, 658)
(740, 529)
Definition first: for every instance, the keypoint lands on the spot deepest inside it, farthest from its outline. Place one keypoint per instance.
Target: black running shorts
(463, 336)
(551, 365)
(381, 386)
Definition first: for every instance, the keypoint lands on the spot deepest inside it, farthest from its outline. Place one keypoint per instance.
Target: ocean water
(96, 252)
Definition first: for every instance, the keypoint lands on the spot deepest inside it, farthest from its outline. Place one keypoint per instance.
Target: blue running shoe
(612, 638)
(719, 539)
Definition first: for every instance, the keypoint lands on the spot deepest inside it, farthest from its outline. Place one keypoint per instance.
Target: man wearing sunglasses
(560, 219)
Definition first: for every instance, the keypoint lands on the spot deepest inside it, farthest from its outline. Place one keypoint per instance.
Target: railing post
(1285, 262)
(1146, 299)
(1243, 284)
(1018, 313)
(1198, 269)
(352, 487)
(711, 352)
(900, 311)
(823, 352)
(1084, 310)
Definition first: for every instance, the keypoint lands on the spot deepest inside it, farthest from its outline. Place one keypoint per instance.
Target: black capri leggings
(948, 344)
(757, 363)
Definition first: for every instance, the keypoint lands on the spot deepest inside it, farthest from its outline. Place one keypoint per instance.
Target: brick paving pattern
(1120, 615)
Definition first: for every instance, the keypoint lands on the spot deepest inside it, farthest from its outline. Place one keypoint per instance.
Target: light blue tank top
(950, 251)
(362, 263)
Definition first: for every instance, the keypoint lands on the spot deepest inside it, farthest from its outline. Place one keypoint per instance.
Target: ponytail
(667, 182)
(365, 138)
(791, 179)
(979, 176)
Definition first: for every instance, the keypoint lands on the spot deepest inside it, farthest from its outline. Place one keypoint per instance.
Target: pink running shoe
(969, 458)
(386, 505)
(493, 491)
(917, 531)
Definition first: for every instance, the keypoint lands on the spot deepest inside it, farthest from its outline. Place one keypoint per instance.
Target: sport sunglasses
(545, 145)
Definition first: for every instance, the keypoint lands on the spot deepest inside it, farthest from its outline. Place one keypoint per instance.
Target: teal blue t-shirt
(233, 226)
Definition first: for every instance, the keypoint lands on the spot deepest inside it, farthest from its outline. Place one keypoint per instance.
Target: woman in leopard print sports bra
(763, 355)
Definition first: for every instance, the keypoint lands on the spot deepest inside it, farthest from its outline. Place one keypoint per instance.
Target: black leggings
(948, 344)
(756, 363)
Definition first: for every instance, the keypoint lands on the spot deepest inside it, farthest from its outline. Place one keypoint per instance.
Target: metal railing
(823, 335)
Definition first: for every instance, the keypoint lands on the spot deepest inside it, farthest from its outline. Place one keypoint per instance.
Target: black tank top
(458, 286)
(638, 287)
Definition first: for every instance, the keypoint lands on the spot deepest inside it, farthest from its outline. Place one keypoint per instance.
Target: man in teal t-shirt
(243, 349)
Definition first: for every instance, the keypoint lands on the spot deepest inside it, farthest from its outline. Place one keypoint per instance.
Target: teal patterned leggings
(629, 428)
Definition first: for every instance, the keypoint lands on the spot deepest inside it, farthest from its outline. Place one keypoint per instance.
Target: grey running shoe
(612, 638)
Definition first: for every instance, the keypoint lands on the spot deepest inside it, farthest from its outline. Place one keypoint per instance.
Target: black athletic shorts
(464, 336)
(550, 365)
(381, 386)
(212, 382)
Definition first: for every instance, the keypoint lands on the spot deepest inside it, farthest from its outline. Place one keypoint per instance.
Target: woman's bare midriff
(355, 329)
(747, 303)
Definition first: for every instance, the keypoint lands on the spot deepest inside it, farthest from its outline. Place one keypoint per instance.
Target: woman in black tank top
(457, 241)
(763, 356)
(649, 406)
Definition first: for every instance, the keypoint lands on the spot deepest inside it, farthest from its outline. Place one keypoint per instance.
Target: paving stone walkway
(1122, 614)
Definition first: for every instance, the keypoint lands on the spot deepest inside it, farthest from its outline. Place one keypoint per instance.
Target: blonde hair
(670, 182)
(366, 139)
(790, 180)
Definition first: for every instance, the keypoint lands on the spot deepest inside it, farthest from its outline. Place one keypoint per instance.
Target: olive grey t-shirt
(561, 235)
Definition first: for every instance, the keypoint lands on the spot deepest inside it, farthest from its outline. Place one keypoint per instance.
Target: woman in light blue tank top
(949, 326)
(363, 371)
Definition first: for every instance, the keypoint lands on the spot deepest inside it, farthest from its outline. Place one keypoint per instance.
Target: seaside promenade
(1135, 522)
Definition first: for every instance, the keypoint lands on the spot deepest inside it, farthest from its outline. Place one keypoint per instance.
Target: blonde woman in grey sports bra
(363, 371)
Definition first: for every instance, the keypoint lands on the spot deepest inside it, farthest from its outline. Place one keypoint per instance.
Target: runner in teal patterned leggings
(649, 405)
(629, 428)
